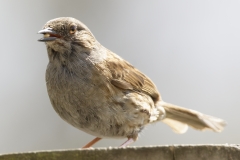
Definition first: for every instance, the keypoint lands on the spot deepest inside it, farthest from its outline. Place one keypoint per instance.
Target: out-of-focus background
(190, 49)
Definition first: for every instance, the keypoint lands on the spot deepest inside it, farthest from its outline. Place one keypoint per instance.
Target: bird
(100, 93)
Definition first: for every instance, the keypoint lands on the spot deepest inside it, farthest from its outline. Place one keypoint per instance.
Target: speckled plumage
(98, 92)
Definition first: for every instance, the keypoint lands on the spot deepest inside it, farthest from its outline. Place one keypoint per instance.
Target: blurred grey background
(190, 49)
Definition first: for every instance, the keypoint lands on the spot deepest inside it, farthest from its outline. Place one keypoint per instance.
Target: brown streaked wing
(125, 76)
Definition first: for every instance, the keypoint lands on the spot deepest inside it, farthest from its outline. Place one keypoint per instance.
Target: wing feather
(125, 76)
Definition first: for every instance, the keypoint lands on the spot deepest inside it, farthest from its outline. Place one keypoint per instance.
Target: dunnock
(98, 92)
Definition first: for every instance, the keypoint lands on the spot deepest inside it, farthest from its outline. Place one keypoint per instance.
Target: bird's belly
(97, 109)
(81, 105)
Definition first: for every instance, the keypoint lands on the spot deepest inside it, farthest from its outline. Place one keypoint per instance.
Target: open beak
(48, 35)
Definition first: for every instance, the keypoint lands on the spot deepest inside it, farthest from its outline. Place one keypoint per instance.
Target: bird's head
(61, 34)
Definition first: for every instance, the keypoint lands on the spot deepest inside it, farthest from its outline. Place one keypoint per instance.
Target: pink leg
(95, 140)
(128, 142)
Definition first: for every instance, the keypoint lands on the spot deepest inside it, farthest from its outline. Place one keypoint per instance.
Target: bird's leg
(95, 140)
(128, 142)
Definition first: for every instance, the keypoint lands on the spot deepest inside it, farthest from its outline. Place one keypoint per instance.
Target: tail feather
(177, 127)
(191, 118)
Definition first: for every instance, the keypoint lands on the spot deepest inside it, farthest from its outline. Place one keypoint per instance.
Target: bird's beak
(48, 35)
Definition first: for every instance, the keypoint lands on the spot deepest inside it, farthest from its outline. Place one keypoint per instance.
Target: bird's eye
(73, 29)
